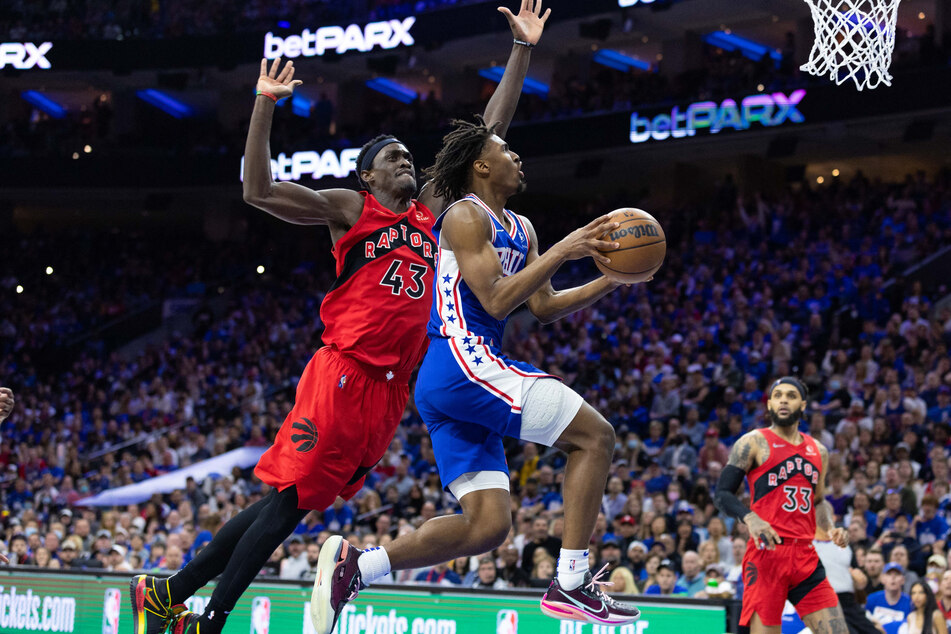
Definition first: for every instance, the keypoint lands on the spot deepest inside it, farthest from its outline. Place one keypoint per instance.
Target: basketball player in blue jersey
(470, 395)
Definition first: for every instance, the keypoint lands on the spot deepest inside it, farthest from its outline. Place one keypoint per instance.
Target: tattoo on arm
(837, 622)
(740, 454)
(824, 516)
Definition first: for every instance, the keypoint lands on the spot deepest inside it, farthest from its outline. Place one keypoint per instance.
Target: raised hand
(280, 85)
(527, 25)
(587, 241)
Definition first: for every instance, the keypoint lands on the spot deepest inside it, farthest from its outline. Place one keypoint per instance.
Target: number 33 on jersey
(784, 486)
(385, 267)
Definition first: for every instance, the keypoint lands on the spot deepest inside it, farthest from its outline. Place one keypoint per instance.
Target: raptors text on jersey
(784, 486)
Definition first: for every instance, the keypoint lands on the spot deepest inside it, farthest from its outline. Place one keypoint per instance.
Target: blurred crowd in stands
(811, 282)
(26, 20)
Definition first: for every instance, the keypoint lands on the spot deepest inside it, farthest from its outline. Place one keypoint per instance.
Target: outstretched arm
(549, 305)
(467, 232)
(526, 27)
(743, 457)
(290, 202)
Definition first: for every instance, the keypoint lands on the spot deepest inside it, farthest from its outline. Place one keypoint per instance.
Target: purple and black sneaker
(587, 603)
(338, 582)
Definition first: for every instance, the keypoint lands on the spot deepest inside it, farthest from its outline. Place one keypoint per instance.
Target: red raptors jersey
(783, 488)
(376, 311)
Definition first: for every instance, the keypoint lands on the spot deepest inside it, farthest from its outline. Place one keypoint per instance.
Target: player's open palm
(587, 241)
(528, 25)
(278, 84)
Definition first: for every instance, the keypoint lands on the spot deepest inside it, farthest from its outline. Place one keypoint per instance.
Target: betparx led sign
(316, 165)
(24, 55)
(763, 110)
(385, 35)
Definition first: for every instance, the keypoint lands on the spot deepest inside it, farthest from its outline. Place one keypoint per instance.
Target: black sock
(274, 524)
(213, 558)
(213, 619)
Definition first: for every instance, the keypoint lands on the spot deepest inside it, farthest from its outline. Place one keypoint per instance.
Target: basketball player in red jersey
(786, 471)
(353, 391)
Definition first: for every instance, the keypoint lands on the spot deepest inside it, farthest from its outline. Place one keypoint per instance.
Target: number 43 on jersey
(414, 287)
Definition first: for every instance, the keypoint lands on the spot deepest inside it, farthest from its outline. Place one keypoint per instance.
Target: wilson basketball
(641, 250)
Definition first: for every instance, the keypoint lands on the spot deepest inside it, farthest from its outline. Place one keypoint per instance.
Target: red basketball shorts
(342, 423)
(791, 571)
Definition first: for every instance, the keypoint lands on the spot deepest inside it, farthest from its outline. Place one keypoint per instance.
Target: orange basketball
(641, 250)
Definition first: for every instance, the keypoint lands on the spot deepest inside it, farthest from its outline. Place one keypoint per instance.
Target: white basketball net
(854, 40)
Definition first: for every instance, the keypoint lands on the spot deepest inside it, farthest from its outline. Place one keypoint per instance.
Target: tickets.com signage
(90, 604)
(756, 110)
(315, 165)
(24, 55)
(385, 35)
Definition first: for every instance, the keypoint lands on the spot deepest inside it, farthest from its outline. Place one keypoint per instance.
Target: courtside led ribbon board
(766, 110)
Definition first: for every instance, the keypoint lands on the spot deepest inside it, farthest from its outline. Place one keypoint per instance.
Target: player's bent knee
(484, 496)
(588, 431)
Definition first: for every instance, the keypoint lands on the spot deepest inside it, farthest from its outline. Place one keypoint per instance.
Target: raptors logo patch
(751, 574)
(307, 436)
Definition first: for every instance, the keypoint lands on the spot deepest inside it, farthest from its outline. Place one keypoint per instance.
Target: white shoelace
(594, 585)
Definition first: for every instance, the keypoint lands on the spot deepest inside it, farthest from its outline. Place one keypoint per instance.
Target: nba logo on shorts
(506, 622)
(110, 611)
(260, 615)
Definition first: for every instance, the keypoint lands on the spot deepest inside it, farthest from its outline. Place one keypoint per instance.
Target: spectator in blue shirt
(930, 529)
(667, 584)
(692, 580)
(941, 412)
(890, 607)
(339, 517)
(440, 574)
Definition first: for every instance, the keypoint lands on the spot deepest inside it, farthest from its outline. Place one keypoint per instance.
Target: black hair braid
(462, 146)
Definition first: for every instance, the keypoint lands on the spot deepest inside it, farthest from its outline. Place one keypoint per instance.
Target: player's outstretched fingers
(263, 66)
(274, 66)
(287, 73)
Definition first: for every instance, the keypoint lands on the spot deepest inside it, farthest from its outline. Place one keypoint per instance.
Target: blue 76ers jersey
(468, 392)
(456, 310)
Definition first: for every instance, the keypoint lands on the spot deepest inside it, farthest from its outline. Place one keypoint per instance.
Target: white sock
(572, 564)
(374, 564)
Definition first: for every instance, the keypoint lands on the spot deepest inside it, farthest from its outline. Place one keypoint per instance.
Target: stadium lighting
(166, 103)
(260, 270)
(392, 89)
(732, 42)
(529, 86)
(301, 105)
(41, 102)
(49, 270)
(19, 289)
(619, 61)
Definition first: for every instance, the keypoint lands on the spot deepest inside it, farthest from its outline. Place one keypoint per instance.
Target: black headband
(374, 150)
(793, 381)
